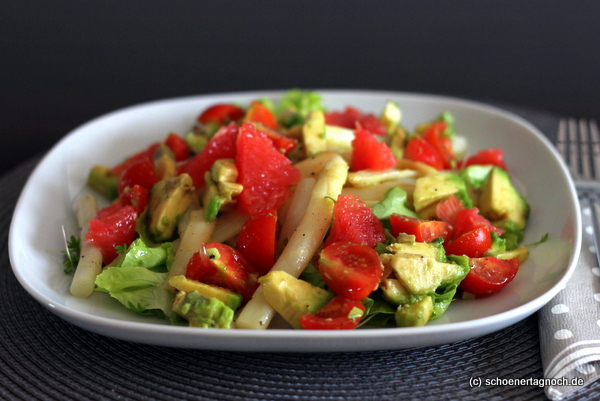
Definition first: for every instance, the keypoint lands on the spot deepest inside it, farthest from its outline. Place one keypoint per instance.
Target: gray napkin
(570, 324)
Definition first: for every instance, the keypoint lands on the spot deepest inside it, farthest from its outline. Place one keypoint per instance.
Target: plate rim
(126, 330)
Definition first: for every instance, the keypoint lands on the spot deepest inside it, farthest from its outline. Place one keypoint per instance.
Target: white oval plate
(46, 204)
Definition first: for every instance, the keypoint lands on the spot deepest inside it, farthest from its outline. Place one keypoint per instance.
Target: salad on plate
(332, 219)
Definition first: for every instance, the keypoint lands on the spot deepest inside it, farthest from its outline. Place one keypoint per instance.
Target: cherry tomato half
(338, 314)
(489, 275)
(350, 270)
(423, 230)
(473, 244)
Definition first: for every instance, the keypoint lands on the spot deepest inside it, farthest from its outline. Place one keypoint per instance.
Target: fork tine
(573, 148)
(586, 160)
(595, 139)
(561, 141)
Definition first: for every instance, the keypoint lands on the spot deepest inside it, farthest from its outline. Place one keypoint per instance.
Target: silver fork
(579, 145)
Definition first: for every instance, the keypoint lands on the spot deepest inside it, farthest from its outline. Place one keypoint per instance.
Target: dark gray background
(65, 62)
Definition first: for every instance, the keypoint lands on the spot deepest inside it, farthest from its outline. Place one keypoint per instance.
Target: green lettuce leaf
(138, 288)
(296, 104)
(393, 202)
(139, 254)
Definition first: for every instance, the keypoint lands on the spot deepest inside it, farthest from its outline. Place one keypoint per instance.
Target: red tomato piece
(221, 114)
(354, 221)
(112, 226)
(259, 113)
(140, 173)
(490, 156)
(221, 265)
(338, 314)
(474, 243)
(221, 146)
(136, 196)
(264, 172)
(418, 149)
(434, 135)
(256, 240)
(346, 118)
(281, 142)
(469, 219)
(350, 270)
(423, 230)
(143, 155)
(178, 146)
(370, 153)
(373, 124)
(489, 275)
(448, 209)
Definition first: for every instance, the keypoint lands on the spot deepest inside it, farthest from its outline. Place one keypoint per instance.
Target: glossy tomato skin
(256, 240)
(350, 270)
(462, 219)
(423, 230)
(351, 117)
(264, 172)
(112, 226)
(474, 243)
(221, 114)
(259, 113)
(354, 221)
(434, 135)
(489, 275)
(418, 149)
(227, 270)
(147, 154)
(369, 153)
(178, 146)
(337, 314)
(140, 173)
(136, 196)
(491, 156)
(281, 142)
(221, 146)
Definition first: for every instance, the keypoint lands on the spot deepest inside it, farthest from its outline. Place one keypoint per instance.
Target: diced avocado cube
(415, 314)
(391, 116)
(434, 250)
(164, 162)
(422, 275)
(103, 180)
(394, 292)
(292, 297)
(313, 133)
(170, 199)
(201, 311)
(434, 188)
(500, 200)
(229, 298)
(224, 170)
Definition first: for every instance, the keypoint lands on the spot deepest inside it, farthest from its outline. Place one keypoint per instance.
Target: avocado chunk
(221, 188)
(170, 199)
(414, 314)
(103, 180)
(422, 275)
(391, 116)
(395, 293)
(434, 188)
(292, 297)
(434, 250)
(500, 200)
(201, 311)
(164, 162)
(184, 284)
(313, 133)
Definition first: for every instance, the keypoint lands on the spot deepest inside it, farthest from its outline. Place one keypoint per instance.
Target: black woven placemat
(43, 357)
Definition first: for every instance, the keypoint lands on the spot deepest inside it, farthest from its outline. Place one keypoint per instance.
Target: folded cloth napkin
(570, 324)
